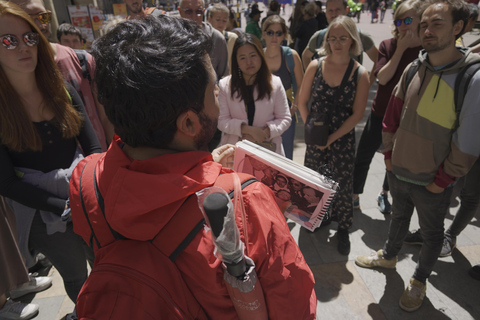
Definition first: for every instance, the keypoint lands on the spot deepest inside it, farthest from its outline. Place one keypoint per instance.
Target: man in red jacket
(164, 108)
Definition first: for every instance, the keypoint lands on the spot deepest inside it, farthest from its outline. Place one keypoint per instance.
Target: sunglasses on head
(270, 33)
(10, 41)
(43, 17)
(407, 21)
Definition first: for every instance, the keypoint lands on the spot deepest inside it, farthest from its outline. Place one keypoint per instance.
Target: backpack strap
(461, 87)
(287, 52)
(411, 72)
(83, 58)
(92, 235)
(89, 176)
(192, 220)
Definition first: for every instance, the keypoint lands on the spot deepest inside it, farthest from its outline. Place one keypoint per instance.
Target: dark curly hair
(150, 71)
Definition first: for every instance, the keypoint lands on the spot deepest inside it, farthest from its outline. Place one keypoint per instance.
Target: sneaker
(474, 272)
(343, 246)
(35, 284)
(356, 203)
(449, 244)
(16, 310)
(413, 238)
(412, 297)
(375, 259)
(383, 203)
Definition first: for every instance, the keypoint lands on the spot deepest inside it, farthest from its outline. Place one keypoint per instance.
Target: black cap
(254, 12)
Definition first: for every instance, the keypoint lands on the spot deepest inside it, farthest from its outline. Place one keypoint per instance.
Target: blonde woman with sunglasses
(42, 123)
(338, 86)
(286, 64)
(393, 57)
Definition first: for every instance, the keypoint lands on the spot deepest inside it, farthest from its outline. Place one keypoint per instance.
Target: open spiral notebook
(302, 194)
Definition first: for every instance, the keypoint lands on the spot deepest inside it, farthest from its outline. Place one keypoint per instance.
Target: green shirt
(253, 28)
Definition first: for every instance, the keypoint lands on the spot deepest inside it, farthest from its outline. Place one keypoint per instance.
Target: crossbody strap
(347, 75)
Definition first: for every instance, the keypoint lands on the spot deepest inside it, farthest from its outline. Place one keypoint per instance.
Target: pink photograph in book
(299, 193)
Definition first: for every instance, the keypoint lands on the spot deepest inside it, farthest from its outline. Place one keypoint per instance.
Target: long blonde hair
(17, 131)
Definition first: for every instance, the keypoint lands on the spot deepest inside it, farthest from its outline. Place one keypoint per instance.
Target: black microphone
(216, 209)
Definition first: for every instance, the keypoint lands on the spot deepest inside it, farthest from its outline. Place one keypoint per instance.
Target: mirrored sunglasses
(10, 41)
(407, 21)
(270, 33)
(44, 17)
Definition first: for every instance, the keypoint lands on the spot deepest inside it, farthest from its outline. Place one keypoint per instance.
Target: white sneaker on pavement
(35, 284)
(13, 310)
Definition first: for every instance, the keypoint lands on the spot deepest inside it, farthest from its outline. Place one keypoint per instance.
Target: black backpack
(83, 58)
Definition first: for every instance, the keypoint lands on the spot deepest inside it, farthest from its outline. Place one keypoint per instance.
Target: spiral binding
(330, 176)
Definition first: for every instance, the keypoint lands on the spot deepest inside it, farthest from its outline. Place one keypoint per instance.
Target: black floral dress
(340, 156)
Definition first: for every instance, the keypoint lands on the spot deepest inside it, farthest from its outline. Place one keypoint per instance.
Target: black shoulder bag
(317, 124)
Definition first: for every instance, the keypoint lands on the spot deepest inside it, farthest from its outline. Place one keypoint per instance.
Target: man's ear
(458, 27)
(188, 123)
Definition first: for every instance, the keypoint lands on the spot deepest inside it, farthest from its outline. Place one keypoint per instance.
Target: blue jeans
(288, 138)
(431, 208)
(469, 198)
(369, 143)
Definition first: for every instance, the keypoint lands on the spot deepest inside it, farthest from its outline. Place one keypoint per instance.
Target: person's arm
(358, 109)
(476, 49)
(310, 50)
(227, 123)
(464, 146)
(11, 186)
(307, 56)
(306, 89)
(372, 53)
(87, 138)
(391, 120)
(282, 119)
(389, 68)
(280, 265)
(298, 71)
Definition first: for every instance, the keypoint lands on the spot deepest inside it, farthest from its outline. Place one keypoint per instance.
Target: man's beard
(209, 127)
(435, 47)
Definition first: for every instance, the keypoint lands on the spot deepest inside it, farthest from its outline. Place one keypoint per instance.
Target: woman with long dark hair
(253, 104)
(42, 125)
(338, 86)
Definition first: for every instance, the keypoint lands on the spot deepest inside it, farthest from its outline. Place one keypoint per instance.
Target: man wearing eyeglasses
(335, 8)
(71, 68)
(194, 10)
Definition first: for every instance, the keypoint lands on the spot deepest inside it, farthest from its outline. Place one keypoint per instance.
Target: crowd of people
(134, 139)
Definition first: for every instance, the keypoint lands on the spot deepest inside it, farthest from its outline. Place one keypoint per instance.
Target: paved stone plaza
(345, 291)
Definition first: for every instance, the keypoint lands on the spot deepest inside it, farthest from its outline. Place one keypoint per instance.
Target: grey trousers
(431, 208)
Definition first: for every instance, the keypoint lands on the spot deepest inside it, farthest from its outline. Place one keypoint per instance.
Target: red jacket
(141, 196)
